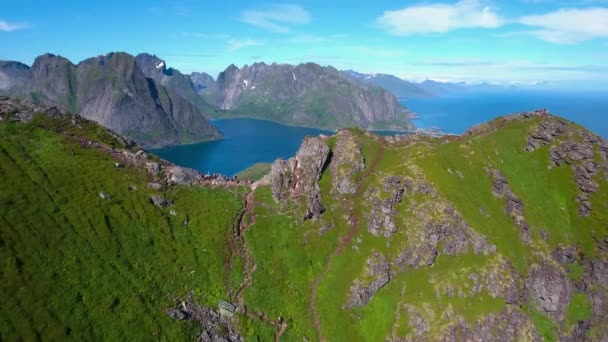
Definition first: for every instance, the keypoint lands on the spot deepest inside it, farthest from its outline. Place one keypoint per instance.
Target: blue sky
(467, 40)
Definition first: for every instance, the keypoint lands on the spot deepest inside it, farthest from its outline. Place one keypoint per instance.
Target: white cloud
(569, 25)
(237, 44)
(276, 18)
(10, 27)
(439, 18)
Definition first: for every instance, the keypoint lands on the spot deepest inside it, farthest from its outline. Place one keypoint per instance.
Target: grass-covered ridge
(78, 266)
(459, 262)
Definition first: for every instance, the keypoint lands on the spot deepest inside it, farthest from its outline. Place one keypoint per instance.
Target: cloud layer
(562, 26)
(276, 18)
(439, 18)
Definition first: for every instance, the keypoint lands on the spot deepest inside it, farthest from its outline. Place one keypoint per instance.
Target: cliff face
(308, 95)
(114, 91)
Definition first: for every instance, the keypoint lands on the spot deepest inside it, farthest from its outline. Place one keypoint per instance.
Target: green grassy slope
(75, 265)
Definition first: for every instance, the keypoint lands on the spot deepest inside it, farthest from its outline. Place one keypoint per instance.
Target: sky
(515, 41)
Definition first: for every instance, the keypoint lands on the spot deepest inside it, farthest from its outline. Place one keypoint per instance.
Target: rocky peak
(299, 175)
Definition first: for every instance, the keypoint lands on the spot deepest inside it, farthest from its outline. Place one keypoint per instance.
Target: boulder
(158, 201)
(177, 314)
(183, 176)
(104, 195)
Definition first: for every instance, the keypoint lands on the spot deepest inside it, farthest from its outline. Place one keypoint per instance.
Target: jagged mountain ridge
(307, 95)
(113, 91)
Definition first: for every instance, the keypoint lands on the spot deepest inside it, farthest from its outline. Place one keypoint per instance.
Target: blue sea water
(246, 142)
(249, 141)
(456, 113)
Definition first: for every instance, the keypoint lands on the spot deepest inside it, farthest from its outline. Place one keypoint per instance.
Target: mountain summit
(306, 95)
(114, 91)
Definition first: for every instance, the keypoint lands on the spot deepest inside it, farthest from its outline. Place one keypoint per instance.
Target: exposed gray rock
(159, 201)
(315, 208)
(514, 206)
(375, 276)
(299, 175)
(226, 309)
(509, 325)
(183, 176)
(382, 212)
(153, 168)
(202, 81)
(545, 134)
(565, 255)
(215, 327)
(104, 195)
(155, 186)
(347, 162)
(177, 314)
(549, 289)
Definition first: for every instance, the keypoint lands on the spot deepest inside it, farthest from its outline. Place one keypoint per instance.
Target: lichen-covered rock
(514, 206)
(377, 273)
(549, 289)
(381, 218)
(347, 161)
(315, 208)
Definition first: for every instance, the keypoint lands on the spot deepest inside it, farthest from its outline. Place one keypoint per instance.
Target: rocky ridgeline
(514, 207)
(576, 148)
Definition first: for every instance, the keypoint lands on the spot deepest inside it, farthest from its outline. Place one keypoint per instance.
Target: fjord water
(250, 141)
(246, 142)
(456, 113)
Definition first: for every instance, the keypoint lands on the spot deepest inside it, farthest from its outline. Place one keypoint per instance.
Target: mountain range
(156, 105)
(114, 91)
(306, 95)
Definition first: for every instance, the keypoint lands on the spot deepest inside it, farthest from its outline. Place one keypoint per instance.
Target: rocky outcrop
(113, 91)
(298, 176)
(545, 134)
(548, 289)
(347, 162)
(514, 206)
(307, 95)
(215, 327)
(436, 223)
(381, 218)
(377, 274)
(511, 324)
